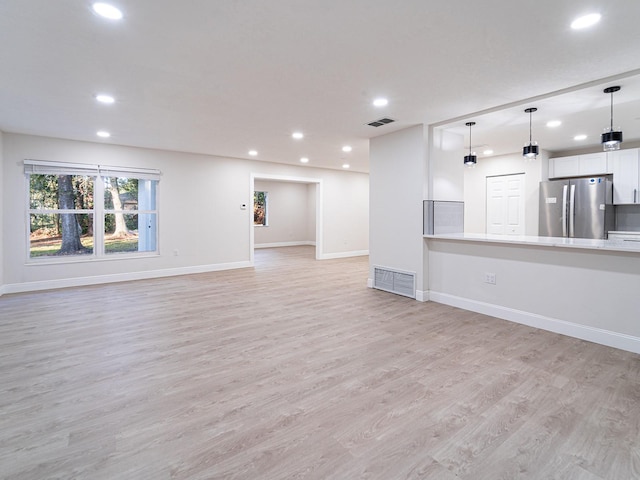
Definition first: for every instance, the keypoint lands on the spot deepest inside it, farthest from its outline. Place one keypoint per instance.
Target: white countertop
(580, 243)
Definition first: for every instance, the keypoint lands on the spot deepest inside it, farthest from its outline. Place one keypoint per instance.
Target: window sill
(88, 259)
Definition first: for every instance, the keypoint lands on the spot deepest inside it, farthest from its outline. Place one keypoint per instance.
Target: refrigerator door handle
(564, 210)
(572, 211)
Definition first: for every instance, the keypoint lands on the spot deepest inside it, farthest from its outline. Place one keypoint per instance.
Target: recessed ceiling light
(304, 160)
(580, 137)
(345, 165)
(103, 98)
(488, 152)
(346, 148)
(107, 11)
(380, 102)
(253, 153)
(585, 21)
(103, 134)
(297, 135)
(554, 123)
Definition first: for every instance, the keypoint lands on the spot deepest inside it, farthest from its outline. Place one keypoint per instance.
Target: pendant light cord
(611, 112)
(530, 137)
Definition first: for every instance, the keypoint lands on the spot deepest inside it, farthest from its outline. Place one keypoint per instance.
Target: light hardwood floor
(296, 370)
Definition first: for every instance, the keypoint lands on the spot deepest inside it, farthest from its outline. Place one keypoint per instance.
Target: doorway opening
(293, 212)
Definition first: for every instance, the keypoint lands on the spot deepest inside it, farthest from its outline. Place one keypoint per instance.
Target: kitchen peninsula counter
(626, 245)
(588, 289)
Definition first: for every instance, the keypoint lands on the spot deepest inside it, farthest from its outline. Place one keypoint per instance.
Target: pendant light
(530, 150)
(612, 136)
(471, 159)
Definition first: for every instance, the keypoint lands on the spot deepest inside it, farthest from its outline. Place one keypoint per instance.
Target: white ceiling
(226, 76)
(584, 109)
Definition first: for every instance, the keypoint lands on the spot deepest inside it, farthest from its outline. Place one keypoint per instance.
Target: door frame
(286, 178)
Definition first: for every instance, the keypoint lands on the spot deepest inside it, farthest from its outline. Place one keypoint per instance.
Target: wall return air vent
(402, 283)
(382, 121)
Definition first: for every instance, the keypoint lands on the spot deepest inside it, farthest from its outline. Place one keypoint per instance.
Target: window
(61, 215)
(130, 216)
(90, 211)
(260, 208)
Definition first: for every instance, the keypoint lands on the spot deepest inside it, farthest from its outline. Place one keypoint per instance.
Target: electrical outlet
(490, 278)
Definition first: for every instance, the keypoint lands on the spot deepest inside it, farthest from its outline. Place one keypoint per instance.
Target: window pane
(120, 193)
(147, 194)
(61, 234)
(137, 235)
(60, 191)
(259, 208)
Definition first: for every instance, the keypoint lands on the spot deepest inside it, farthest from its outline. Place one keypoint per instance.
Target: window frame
(138, 211)
(97, 173)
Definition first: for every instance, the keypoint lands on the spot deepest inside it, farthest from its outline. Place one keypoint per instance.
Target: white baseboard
(422, 295)
(355, 253)
(370, 282)
(119, 277)
(284, 244)
(583, 332)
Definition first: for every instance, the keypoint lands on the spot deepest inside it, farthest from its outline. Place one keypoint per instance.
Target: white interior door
(505, 205)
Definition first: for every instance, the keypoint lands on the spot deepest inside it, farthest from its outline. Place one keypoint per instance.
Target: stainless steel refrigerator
(577, 207)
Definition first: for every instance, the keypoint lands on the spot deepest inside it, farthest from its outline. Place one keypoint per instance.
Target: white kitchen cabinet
(579, 165)
(564, 166)
(625, 165)
(593, 164)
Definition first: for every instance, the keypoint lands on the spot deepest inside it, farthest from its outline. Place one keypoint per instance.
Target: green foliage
(47, 198)
(44, 195)
(127, 189)
(51, 247)
(121, 245)
(43, 191)
(259, 208)
(110, 222)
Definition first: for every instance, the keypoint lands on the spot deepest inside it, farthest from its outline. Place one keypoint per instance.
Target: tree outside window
(130, 215)
(61, 215)
(260, 208)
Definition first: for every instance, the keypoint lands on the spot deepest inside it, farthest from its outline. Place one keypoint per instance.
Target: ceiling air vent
(382, 121)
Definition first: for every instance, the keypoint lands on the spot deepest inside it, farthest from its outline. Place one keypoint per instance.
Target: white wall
(311, 212)
(583, 293)
(475, 188)
(200, 215)
(397, 176)
(2, 227)
(287, 214)
(346, 201)
(445, 167)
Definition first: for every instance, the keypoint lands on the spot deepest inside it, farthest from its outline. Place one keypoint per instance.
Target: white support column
(2, 229)
(397, 177)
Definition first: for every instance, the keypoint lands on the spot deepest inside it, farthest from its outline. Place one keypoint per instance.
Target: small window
(260, 208)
